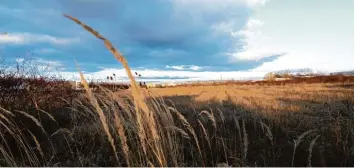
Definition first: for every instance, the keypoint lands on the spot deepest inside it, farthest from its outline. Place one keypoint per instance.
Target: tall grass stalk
(245, 141)
(123, 138)
(313, 142)
(139, 101)
(297, 142)
(271, 138)
(101, 114)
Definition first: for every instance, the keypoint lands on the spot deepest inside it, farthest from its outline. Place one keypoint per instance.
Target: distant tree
(270, 76)
(306, 71)
(276, 75)
(287, 75)
(283, 74)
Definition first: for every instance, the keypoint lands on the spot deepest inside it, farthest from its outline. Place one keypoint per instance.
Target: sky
(179, 40)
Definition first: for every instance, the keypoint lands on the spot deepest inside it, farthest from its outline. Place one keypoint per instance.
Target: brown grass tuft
(138, 98)
(101, 114)
(123, 138)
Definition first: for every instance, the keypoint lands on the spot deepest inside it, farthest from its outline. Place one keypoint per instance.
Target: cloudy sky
(181, 39)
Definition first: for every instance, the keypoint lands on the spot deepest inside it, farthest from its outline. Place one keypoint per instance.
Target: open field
(241, 125)
(268, 99)
(289, 110)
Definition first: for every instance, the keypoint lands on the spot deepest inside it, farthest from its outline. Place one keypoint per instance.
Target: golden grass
(214, 128)
(16, 133)
(120, 131)
(297, 142)
(38, 145)
(313, 142)
(101, 114)
(266, 99)
(138, 99)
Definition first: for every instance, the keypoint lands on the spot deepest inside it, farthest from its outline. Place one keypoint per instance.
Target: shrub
(270, 76)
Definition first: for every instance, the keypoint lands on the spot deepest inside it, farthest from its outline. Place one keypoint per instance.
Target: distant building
(151, 85)
(78, 85)
(282, 79)
(345, 73)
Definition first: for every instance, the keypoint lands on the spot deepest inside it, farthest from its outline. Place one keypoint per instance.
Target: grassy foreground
(299, 125)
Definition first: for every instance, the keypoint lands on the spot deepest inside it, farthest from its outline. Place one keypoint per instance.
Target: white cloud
(19, 60)
(166, 75)
(253, 23)
(13, 11)
(49, 62)
(255, 2)
(256, 44)
(195, 68)
(292, 60)
(42, 64)
(184, 67)
(45, 50)
(28, 38)
(216, 3)
(24, 12)
(175, 67)
(318, 38)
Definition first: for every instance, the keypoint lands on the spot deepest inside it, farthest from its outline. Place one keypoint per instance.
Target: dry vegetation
(293, 124)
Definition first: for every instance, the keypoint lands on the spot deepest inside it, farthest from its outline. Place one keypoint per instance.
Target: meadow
(236, 124)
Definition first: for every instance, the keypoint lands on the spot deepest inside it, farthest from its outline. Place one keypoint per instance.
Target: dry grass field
(240, 125)
(308, 98)
(266, 124)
